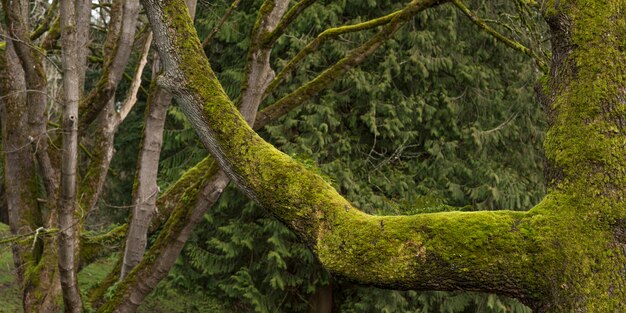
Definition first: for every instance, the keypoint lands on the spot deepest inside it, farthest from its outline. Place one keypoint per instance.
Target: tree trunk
(72, 15)
(322, 300)
(35, 262)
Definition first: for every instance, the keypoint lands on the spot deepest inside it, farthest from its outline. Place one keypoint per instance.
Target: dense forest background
(436, 120)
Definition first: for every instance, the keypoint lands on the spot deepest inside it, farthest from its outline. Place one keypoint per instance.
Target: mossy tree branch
(36, 81)
(394, 21)
(22, 190)
(326, 35)
(311, 47)
(44, 25)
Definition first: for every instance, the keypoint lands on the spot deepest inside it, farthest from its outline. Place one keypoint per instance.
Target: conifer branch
(507, 41)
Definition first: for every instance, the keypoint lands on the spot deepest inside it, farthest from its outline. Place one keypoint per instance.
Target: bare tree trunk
(147, 192)
(72, 46)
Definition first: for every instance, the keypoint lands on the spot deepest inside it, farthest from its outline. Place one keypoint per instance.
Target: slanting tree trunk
(146, 191)
(565, 255)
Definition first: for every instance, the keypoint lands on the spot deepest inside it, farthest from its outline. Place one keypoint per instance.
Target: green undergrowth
(164, 299)
(9, 291)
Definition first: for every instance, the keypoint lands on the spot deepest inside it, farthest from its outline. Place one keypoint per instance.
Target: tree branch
(146, 192)
(258, 72)
(131, 98)
(44, 24)
(285, 21)
(395, 21)
(36, 83)
(114, 65)
(330, 33)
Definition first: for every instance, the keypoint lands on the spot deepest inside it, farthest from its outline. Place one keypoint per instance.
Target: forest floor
(162, 301)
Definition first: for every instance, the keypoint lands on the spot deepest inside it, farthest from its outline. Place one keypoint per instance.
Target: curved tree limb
(394, 21)
(486, 251)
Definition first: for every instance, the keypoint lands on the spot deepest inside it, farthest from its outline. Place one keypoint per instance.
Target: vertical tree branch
(19, 169)
(104, 91)
(258, 70)
(146, 192)
(71, 48)
(285, 21)
(99, 104)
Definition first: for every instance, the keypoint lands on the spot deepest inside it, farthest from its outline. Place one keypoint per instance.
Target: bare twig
(221, 22)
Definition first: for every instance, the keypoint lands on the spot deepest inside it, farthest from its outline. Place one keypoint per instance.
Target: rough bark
(564, 255)
(72, 46)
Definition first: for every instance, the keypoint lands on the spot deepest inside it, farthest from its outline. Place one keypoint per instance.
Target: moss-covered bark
(565, 255)
(35, 262)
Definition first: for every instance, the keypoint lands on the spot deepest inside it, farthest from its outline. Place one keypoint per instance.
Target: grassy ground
(162, 301)
(10, 300)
